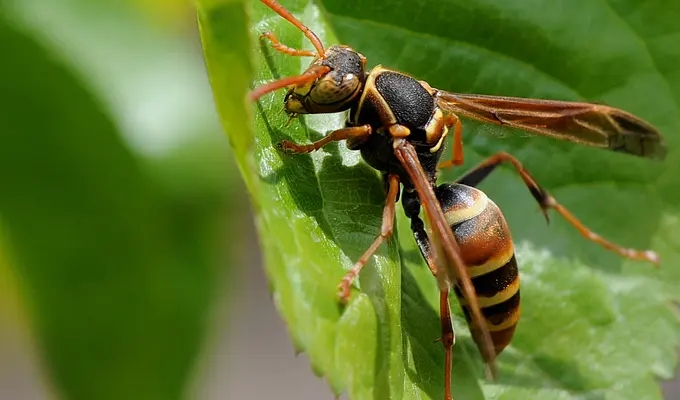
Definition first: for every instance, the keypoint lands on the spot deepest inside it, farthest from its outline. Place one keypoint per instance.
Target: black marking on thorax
(411, 104)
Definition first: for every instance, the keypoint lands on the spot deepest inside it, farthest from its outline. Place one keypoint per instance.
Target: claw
(344, 293)
(286, 146)
(544, 210)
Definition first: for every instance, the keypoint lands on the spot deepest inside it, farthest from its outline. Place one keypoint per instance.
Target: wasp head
(335, 90)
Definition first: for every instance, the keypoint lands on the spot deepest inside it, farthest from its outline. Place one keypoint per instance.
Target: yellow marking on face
(303, 90)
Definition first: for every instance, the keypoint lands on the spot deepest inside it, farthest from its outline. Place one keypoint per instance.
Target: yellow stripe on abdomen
(488, 252)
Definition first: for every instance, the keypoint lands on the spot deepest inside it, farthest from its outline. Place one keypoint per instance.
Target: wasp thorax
(334, 91)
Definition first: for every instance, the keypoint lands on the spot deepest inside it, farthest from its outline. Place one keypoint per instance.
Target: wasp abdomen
(488, 252)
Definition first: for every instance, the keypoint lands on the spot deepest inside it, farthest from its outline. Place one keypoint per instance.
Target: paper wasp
(399, 125)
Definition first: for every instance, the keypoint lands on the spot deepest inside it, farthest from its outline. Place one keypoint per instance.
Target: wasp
(399, 125)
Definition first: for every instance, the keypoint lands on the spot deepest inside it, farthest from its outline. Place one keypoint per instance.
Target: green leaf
(116, 273)
(593, 325)
(223, 26)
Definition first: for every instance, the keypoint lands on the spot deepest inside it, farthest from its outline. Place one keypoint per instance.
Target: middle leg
(385, 232)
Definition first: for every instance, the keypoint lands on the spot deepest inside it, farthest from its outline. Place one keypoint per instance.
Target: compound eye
(330, 90)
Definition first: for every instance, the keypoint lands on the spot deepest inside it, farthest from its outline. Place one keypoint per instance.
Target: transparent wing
(585, 123)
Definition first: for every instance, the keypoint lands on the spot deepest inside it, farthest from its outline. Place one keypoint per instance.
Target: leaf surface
(115, 272)
(593, 325)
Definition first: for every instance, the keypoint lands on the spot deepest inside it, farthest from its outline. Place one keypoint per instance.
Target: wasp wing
(446, 245)
(584, 123)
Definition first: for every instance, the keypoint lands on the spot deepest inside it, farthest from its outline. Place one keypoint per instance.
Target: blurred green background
(129, 267)
(122, 217)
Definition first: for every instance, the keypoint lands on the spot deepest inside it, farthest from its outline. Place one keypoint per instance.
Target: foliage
(593, 325)
(115, 267)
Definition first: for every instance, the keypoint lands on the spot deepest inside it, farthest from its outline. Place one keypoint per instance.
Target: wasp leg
(310, 75)
(452, 120)
(444, 243)
(448, 337)
(385, 232)
(354, 132)
(282, 48)
(546, 201)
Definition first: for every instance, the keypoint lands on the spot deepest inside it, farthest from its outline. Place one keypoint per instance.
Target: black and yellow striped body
(399, 123)
(488, 252)
(394, 106)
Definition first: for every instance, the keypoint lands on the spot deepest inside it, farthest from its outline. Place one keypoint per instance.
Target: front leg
(354, 132)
